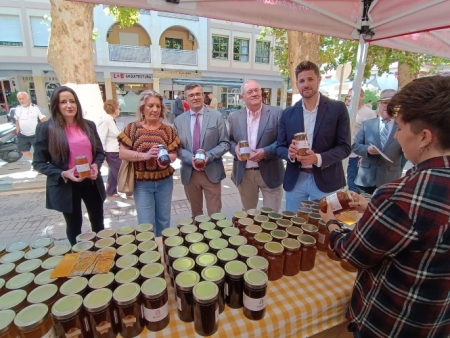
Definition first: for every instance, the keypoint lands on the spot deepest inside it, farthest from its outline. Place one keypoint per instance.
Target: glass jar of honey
(126, 230)
(278, 235)
(218, 216)
(311, 229)
(298, 221)
(323, 237)
(258, 263)
(100, 281)
(260, 219)
(197, 249)
(100, 314)
(128, 275)
(22, 281)
(147, 246)
(129, 310)
(226, 255)
(204, 260)
(127, 249)
(309, 250)
(69, 317)
(144, 236)
(195, 237)
(339, 201)
(273, 252)
(18, 246)
(294, 232)
(234, 283)
(7, 327)
(108, 242)
(43, 242)
(254, 296)
(149, 257)
(83, 246)
(267, 227)
(35, 321)
(184, 221)
(236, 241)
(200, 159)
(152, 270)
(224, 223)
(170, 243)
(7, 270)
(188, 229)
(292, 256)
(288, 214)
(246, 251)
(251, 231)
(252, 213)
(301, 141)
(86, 236)
(216, 275)
(13, 300)
(201, 219)
(217, 244)
(46, 294)
(283, 224)
(229, 232)
(31, 265)
(125, 239)
(59, 250)
(211, 235)
(155, 304)
(260, 240)
(15, 257)
(51, 262)
(237, 216)
(173, 254)
(185, 283)
(127, 261)
(303, 212)
(82, 166)
(38, 253)
(106, 233)
(307, 203)
(44, 278)
(206, 308)
(144, 227)
(266, 210)
(274, 217)
(314, 218)
(244, 150)
(181, 265)
(75, 286)
(205, 226)
(163, 155)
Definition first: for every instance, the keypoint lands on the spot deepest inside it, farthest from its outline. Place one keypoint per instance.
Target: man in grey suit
(178, 108)
(256, 123)
(202, 128)
(374, 169)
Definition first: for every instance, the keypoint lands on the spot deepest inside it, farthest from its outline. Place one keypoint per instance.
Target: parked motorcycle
(9, 150)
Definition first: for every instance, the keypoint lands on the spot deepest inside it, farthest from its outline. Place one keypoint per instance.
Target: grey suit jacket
(271, 167)
(213, 140)
(374, 170)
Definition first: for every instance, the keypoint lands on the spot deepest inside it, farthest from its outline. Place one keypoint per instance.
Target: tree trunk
(302, 47)
(404, 75)
(70, 53)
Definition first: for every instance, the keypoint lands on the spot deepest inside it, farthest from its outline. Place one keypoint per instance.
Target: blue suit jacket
(331, 140)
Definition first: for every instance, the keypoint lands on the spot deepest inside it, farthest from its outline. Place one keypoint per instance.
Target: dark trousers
(352, 172)
(367, 190)
(114, 162)
(87, 192)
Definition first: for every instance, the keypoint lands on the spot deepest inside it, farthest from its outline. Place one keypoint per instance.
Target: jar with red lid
(323, 237)
(242, 224)
(311, 229)
(303, 212)
(237, 216)
(292, 256)
(254, 297)
(260, 240)
(251, 231)
(294, 232)
(288, 214)
(234, 283)
(155, 304)
(273, 252)
(283, 224)
(267, 227)
(298, 221)
(339, 201)
(252, 213)
(200, 159)
(309, 250)
(83, 167)
(266, 210)
(258, 220)
(278, 235)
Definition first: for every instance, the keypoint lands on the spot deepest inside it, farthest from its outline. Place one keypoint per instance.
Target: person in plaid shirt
(401, 244)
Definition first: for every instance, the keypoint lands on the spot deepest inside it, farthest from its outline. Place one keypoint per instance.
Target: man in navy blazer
(327, 125)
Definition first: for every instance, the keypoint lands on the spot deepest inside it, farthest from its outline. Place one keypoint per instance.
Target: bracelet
(333, 221)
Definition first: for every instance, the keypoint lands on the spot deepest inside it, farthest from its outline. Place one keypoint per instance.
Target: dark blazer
(59, 193)
(178, 108)
(331, 140)
(374, 170)
(271, 167)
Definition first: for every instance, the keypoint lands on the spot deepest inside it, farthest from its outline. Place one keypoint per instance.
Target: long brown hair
(58, 145)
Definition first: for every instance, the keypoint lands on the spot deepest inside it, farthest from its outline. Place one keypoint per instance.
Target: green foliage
(280, 50)
(12, 99)
(126, 16)
(373, 96)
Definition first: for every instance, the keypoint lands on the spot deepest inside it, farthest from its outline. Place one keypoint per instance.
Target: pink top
(252, 133)
(79, 144)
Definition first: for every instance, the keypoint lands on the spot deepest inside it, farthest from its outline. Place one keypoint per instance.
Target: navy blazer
(331, 140)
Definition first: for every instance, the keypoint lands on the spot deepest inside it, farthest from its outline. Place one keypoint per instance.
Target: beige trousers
(198, 185)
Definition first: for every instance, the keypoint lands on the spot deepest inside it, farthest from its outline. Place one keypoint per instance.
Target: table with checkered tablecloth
(298, 306)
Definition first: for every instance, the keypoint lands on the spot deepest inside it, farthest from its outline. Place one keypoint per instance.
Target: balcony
(179, 57)
(129, 53)
(178, 16)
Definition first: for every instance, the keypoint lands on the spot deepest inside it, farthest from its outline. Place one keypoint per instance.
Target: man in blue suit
(327, 125)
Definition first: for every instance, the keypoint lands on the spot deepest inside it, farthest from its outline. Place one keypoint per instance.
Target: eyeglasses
(251, 91)
(383, 103)
(191, 96)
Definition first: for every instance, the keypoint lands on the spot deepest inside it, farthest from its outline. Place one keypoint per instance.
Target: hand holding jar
(153, 152)
(359, 202)
(94, 171)
(200, 160)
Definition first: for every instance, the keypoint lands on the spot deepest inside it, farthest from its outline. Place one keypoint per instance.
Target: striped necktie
(384, 133)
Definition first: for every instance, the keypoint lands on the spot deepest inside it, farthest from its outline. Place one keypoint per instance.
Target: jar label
(226, 289)
(81, 168)
(103, 327)
(334, 201)
(156, 315)
(303, 144)
(321, 238)
(244, 150)
(129, 320)
(50, 334)
(217, 314)
(179, 303)
(254, 304)
(200, 157)
(162, 152)
(73, 333)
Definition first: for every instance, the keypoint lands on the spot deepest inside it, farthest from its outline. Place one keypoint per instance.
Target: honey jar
(128, 275)
(298, 221)
(258, 263)
(155, 304)
(170, 243)
(242, 223)
(127, 261)
(323, 237)
(204, 260)
(309, 250)
(251, 231)
(107, 242)
(38, 253)
(82, 166)
(100, 314)
(205, 226)
(125, 230)
(218, 216)
(236, 241)
(206, 308)
(200, 159)
(173, 254)
(7, 327)
(163, 156)
(126, 249)
(23, 281)
(229, 232)
(283, 224)
(267, 227)
(211, 235)
(312, 230)
(144, 227)
(35, 321)
(254, 296)
(184, 221)
(266, 210)
(303, 212)
(100, 281)
(216, 275)
(15, 257)
(147, 246)
(144, 236)
(301, 141)
(201, 219)
(292, 256)
(273, 252)
(234, 283)
(288, 214)
(217, 244)
(125, 239)
(314, 218)
(43, 242)
(59, 250)
(339, 201)
(150, 271)
(7, 270)
(13, 300)
(252, 213)
(226, 255)
(246, 251)
(46, 294)
(83, 246)
(224, 223)
(294, 232)
(18, 246)
(44, 278)
(149, 257)
(129, 310)
(260, 240)
(106, 233)
(75, 286)
(187, 229)
(197, 249)
(86, 236)
(278, 235)
(274, 217)
(31, 265)
(181, 265)
(185, 283)
(237, 216)
(195, 237)
(70, 318)
(244, 150)
(51, 262)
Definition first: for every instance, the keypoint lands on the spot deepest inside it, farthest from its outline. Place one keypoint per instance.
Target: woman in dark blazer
(58, 142)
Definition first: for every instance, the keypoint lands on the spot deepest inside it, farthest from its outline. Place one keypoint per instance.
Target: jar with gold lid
(129, 310)
(7, 270)
(267, 227)
(43, 242)
(188, 229)
(314, 218)
(147, 246)
(278, 235)
(144, 227)
(149, 257)
(106, 233)
(173, 254)
(274, 217)
(311, 229)
(127, 249)
(217, 244)
(216, 275)
(184, 283)
(309, 250)
(260, 219)
(18, 246)
(107, 242)
(35, 321)
(206, 308)
(184, 221)
(298, 221)
(273, 252)
(76, 285)
(15, 257)
(201, 219)
(226, 255)
(242, 223)
(31, 265)
(283, 224)
(125, 239)
(128, 275)
(195, 237)
(22, 281)
(197, 249)
(257, 263)
(70, 318)
(13, 300)
(46, 294)
(83, 246)
(125, 230)
(101, 281)
(152, 270)
(246, 251)
(38, 253)
(266, 210)
(224, 223)
(59, 250)
(181, 265)
(237, 216)
(254, 295)
(155, 304)
(287, 215)
(251, 231)
(127, 261)
(234, 283)
(294, 232)
(252, 213)
(44, 278)
(303, 212)
(205, 226)
(144, 236)
(51, 263)
(100, 314)
(211, 235)
(86, 236)
(229, 232)
(236, 241)
(7, 327)
(204, 260)
(292, 256)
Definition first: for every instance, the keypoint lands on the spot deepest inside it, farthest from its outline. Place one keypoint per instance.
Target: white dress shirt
(253, 119)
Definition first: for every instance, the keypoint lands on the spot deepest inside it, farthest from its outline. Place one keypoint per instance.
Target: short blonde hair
(110, 106)
(143, 97)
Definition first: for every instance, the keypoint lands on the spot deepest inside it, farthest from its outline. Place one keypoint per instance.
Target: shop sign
(126, 76)
(47, 79)
(175, 74)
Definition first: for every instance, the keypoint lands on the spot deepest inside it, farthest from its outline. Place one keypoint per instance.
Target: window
(220, 47)
(173, 43)
(262, 51)
(240, 50)
(40, 27)
(10, 33)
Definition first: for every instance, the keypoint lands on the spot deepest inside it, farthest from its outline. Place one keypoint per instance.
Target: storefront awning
(222, 83)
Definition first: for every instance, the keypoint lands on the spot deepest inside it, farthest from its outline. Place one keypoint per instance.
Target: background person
(401, 244)
(256, 123)
(213, 101)
(178, 107)
(139, 143)
(58, 142)
(27, 117)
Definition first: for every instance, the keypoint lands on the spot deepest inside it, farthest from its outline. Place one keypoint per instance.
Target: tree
(70, 50)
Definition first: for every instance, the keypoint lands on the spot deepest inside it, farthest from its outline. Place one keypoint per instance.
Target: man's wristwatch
(333, 221)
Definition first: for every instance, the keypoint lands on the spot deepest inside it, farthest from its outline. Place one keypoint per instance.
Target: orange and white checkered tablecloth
(297, 306)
